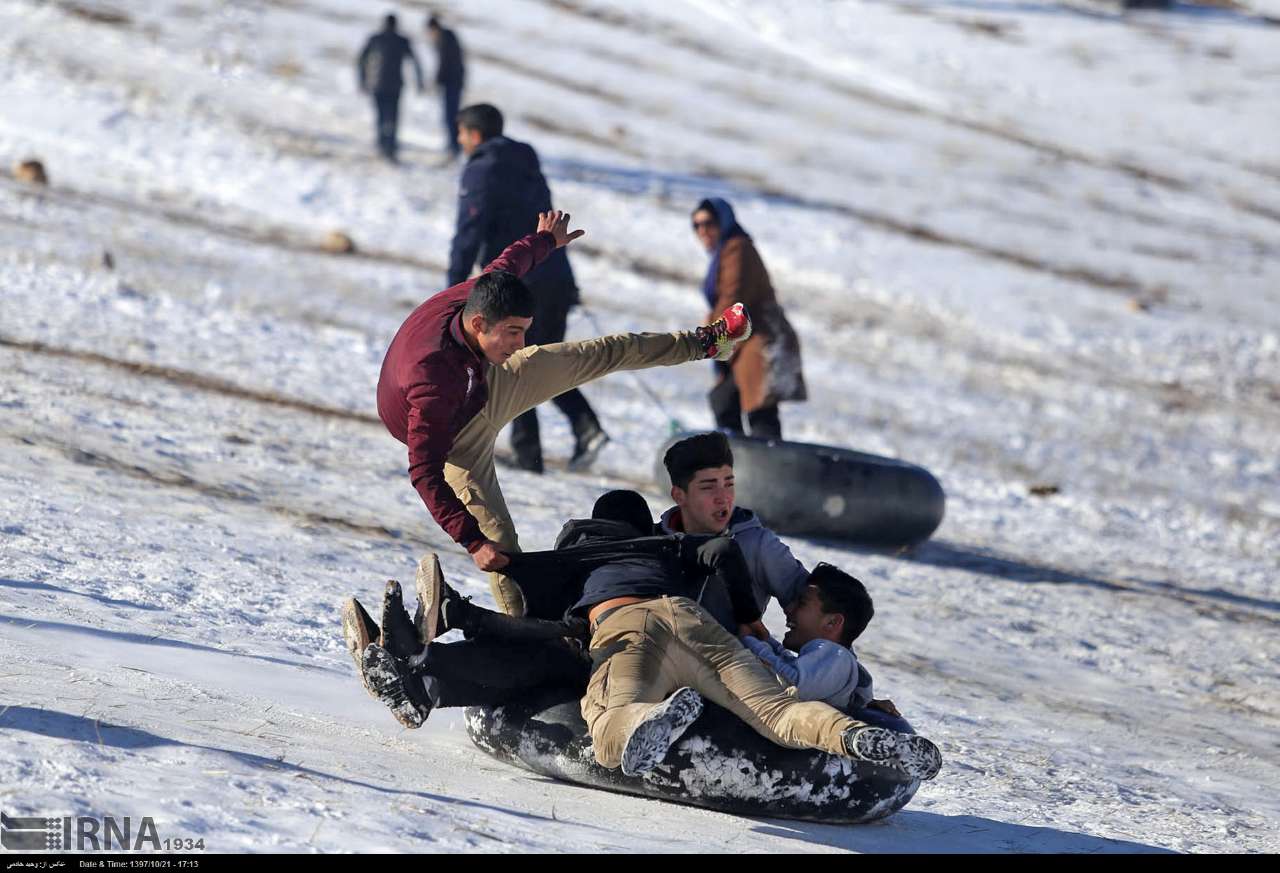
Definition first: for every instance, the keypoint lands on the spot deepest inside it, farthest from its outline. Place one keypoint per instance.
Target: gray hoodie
(821, 670)
(775, 572)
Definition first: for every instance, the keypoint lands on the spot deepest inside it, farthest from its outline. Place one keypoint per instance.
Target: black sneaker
(586, 448)
(529, 463)
(914, 755)
(391, 682)
(659, 731)
(399, 636)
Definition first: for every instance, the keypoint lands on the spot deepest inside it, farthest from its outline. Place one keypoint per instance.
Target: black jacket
(501, 194)
(594, 561)
(451, 70)
(378, 69)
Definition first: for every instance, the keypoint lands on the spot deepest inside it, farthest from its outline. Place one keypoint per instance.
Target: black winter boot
(399, 636)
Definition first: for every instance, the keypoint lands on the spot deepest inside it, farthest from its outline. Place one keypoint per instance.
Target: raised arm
(526, 253)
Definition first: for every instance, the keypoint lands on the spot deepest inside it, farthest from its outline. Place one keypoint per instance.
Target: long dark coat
(767, 367)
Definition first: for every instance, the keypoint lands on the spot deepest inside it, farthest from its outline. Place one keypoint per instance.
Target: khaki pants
(647, 650)
(531, 376)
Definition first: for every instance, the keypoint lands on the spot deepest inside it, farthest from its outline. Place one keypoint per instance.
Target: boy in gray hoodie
(702, 486)
(831, 612)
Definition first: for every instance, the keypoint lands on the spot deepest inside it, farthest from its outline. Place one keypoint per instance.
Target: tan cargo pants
(650, 649)
(532, 376)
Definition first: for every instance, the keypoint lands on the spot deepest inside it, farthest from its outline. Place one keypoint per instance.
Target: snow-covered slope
(1024, 244)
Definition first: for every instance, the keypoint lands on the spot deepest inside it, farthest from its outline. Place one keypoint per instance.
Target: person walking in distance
(451, 74)
(378, 73)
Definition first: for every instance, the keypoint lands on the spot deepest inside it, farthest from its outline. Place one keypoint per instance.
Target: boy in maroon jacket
(458, 371)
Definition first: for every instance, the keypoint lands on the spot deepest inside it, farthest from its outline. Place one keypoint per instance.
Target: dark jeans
(726, 405)
(492, 671)
(387, 104)
(451, 95)
(549, 324)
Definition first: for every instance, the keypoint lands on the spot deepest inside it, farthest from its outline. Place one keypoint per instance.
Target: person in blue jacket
(378, 73)
(501, 195)
(451, 73)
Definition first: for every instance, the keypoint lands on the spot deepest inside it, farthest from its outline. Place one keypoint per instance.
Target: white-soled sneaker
(430, 587)
(587, 449)
(661, 728)
(920, 757)
(359, 630)
(913, 755)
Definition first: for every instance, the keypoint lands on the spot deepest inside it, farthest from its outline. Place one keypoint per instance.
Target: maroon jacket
(432, 384)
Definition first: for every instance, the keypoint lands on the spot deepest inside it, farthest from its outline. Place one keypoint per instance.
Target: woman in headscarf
(767, 369)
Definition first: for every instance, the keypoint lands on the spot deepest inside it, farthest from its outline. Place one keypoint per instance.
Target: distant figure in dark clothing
(451, 73)
(378, 73)
(502, 193)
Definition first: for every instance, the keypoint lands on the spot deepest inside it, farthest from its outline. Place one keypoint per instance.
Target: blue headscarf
(729, 228)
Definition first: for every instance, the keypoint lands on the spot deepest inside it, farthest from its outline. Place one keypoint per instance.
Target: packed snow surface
(1033, 247)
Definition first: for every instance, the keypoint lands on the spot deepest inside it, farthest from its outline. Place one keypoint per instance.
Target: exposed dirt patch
(989, 27)
(97, 14)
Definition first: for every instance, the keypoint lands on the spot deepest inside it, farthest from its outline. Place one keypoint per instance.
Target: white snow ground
(1025, 243)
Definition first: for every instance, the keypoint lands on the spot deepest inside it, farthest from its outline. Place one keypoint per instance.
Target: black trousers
(549, 324)
(726, 406)
(387, 104)
(451, 100)
(491, 671)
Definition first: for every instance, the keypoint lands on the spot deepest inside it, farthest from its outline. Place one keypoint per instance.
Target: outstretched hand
(754, 629)
(557, 223)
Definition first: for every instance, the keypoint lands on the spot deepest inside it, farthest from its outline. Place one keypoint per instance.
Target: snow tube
(720, 763)
(804, 489)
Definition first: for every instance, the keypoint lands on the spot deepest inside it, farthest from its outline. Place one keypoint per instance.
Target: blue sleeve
(778, 660)
(474, 216)
(775, 566)
(865, 692)
(824, 670)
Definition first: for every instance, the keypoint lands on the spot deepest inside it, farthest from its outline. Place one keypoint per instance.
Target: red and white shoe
(722, 337)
